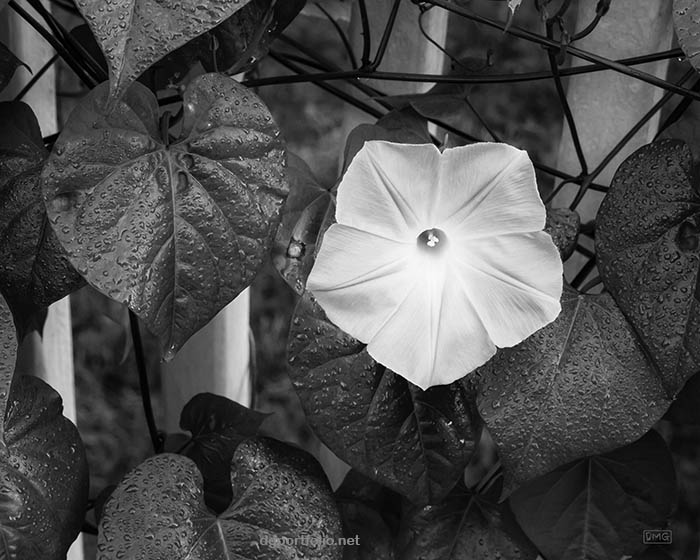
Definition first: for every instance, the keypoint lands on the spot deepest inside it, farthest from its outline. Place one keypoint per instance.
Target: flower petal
(359, 279)
(387, 187)
(488, 189)
(435, 335)
(515, 283)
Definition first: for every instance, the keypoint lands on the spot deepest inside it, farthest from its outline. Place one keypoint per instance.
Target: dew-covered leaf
(563, 225)
(464, 526)
(579, 386)
(282, 509)
(133, 34)
(415, 442)
(235, 45)
(218, 425)
(174, 231)
(43, 475)
(307, 207)
(8, 64)
(686, 20)
(648, 247)
(598, 507)
(245, 38)
(34, 270)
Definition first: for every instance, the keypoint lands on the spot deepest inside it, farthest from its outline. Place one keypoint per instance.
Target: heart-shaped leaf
(244, 38)
(218, 425)
(307, 208)
(464, 526)
(174, 231)
(133, 34)
(648, 246)
(43, 475)
(43, 467)
(597, 508)
(581, 385)
(415, 442)
(282, 508)
(34, 271)
(686, 20)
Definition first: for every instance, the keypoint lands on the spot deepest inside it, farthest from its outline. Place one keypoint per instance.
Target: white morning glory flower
(438, 258)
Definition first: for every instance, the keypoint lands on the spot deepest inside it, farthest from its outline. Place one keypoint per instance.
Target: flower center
(432, 240)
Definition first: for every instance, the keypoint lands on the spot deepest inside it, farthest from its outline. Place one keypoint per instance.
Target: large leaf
(133, 34)
(43, 468)
(686, 20)
(8, 64)
(34, 271)
(307, 208)
(218, 425)
(598, 508)
(244, 38)
(648, 246)
(174, 231)
(579, 386)
(415, 442)
(282, 509)
(43, 475)
(464, 526)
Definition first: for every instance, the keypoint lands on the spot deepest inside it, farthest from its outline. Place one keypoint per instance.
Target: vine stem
(578, 53)
(156, 437)
(351, 75)
(55, 43)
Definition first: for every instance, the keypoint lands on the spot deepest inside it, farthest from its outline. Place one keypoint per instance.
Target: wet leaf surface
(579, 386)
(415, 442)
(598, 507)
(133, 34)
(157, 512)
(43, 475)
(307, 208)
(465, 526)
(34, 270)
(218, 425)
(686, 20)
(241, 41)
(563, 225)
(175, 232)
(648, 246)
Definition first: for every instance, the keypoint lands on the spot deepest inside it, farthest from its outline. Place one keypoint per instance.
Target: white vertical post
(215, 360)
(606, 105)
(52, 358)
